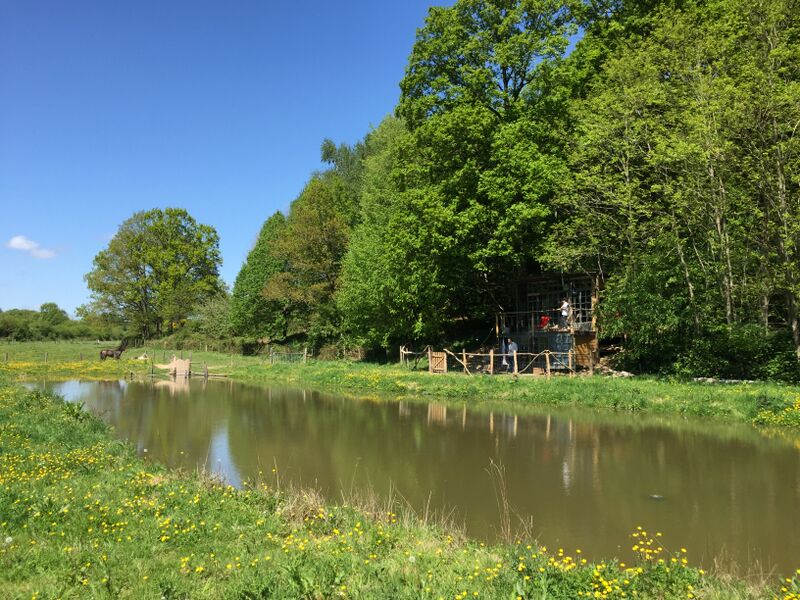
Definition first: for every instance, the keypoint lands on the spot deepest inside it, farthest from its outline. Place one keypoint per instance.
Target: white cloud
(20, 242)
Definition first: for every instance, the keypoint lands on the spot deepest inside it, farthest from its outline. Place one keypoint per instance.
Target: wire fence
(276, 358)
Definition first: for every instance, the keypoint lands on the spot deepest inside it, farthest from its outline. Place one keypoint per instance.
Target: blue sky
(108, 108)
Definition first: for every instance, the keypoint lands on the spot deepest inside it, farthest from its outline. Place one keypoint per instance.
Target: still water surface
(586, 480)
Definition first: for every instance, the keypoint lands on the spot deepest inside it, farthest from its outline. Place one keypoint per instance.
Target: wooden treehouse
(552, 328)
(540, 329)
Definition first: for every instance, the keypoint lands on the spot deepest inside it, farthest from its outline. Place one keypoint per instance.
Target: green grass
(731, 402)
(82, 517)
(743, 402)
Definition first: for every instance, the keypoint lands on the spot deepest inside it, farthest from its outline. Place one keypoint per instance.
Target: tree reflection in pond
(586, 479)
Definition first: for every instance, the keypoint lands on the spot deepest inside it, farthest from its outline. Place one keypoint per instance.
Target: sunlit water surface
(585, 480)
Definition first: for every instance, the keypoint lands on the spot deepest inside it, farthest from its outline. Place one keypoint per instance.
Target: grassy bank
(82, 516)
(740, 402)
(771, 405)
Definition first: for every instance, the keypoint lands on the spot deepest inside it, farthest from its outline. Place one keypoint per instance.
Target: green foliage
(661, 153)
(156, 269)
(50, 323)
(481, 54)
(310, 249)
(785, 416)
(211, 317)
(670, 192)
(251, 314)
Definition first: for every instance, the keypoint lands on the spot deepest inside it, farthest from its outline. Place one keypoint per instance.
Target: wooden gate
(438, 362)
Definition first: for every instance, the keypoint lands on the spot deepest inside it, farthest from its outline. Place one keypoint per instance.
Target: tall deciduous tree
(482, 53)
(156, 269)
(310, 249)
(390, 288)
(252, 314)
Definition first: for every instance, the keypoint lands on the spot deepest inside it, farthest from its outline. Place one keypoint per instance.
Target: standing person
(503, 339)
(562, 322)
(512, 348)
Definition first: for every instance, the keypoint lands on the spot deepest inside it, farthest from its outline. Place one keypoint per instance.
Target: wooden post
(190, 354)
(205, 370)
(45, 357)
(181, 353)
(547, 362)
(464, 360)
(515, 363)
(430, 360)
(569, 363)
(491, 361)
(305, 355)
(206, 346)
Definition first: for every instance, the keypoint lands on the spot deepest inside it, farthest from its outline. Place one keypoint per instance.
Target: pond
(580, 480)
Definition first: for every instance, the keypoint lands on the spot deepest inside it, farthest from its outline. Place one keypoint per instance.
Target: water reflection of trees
(582, 481)
(585, 481)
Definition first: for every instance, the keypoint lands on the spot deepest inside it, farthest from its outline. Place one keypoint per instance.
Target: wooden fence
(492, 363)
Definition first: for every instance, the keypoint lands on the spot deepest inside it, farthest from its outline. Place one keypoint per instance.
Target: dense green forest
(659, 150)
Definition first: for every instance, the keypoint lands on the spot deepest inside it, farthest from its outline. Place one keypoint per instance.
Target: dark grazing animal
(113, 352)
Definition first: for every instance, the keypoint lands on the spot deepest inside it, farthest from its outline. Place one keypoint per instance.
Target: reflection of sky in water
(75, 391)
(220, 461)
(72, 391)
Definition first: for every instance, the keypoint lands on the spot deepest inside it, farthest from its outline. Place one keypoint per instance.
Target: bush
(738, 352)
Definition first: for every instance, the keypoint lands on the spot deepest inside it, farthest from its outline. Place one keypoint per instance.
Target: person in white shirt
(563, 321)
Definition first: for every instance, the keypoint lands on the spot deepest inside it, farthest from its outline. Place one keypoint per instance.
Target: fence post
(569, 362)
(464, 358)
(305, 355)
(515, 363)
(547, 362)
(491, 361)
(430, 360)
(45, 357)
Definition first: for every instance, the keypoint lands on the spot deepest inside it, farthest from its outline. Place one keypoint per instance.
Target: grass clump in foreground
(82, 516)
